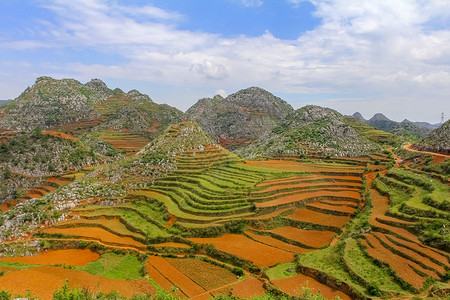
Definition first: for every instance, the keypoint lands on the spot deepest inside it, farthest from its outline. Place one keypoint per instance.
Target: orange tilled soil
(315, 217)
(399, 264)
(43, 281)
(162, 281)
(313, 238)
(71, 257)
(303, 167)
(340, 203)
(380, 206)
(245, 289)
(112, 223)
(58, 181)
(294, 285)
(96, 234)
(269, 215)
(186, 285)
(415, 256)
(330, 192)
(241, 246)
(60, 134)
(268, 240)
(172, 245)
(422, 249)
(206, 275)
(342, 209)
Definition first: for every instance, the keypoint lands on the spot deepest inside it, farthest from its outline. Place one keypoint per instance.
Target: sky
(389, 56)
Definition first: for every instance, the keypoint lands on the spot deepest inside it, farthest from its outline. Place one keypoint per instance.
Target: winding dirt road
(408, 147)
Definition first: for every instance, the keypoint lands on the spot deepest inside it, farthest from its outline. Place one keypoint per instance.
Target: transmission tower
(442, 118)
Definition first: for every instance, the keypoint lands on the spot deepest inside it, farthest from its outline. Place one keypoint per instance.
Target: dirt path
(408, 147)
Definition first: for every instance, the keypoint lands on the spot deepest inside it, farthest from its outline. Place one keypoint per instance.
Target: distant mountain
(409, 129)
(406, 128)
(427, 125)
(437, 141)
(241, 117)
(3, 102)
(359, 116)
(381, 122)
(70, 106)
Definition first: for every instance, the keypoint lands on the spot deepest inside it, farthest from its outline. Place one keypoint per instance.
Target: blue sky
(351, 55)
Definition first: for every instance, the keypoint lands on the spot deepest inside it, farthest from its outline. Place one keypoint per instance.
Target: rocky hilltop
(141, 115)
(51, 102)
(312, 130)
(241, 117)
(437, 141)
(70, 106)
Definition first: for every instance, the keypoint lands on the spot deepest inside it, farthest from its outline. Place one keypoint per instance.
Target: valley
(135, 197)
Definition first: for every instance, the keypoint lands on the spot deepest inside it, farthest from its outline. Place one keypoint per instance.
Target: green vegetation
(377, 280)
(418, 198)
(116, 266)
(284, 270)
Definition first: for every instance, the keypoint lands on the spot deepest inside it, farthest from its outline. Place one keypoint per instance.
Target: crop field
(43, 280)
(126, 142)
(70, 257)
(347, 227)
(241, 246)
(294, 286)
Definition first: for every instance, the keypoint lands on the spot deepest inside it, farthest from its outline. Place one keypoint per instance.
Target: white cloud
(252, 3)
(221, 92)
(397, 50)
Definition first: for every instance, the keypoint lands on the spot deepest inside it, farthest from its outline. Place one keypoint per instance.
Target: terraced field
(126, 142)
(348, 227)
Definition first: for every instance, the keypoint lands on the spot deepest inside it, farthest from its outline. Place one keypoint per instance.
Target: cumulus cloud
(210, 69)
(398, 51)
(221, 92)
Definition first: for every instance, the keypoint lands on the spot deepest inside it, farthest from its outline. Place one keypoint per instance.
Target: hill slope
(70, 106)
(437, 141)
(241, 117)
(51, 102)
(312, 129)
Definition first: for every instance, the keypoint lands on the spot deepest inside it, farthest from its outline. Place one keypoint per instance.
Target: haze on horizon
(350, 55)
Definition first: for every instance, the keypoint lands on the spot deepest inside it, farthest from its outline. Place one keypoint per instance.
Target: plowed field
(42, 281)
(399, 264)
(268, 240)
(248, 249)
(299, 197)
(206, 275)
(245, 289)
(172, 245)
(71, 257)
(96, 234)
(184, 283)
(312, 238)
(293, 286)
(315, 217)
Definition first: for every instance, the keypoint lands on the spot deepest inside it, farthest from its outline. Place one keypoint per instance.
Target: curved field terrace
(205, 223)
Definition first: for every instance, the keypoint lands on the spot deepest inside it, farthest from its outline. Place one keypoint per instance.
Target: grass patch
(280, 271)
(115, 266)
